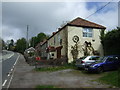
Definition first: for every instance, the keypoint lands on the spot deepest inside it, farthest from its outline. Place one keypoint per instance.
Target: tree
(102, 35)
(11, 45)
(37, 39)
(41, 37)
(21, 45)
(111, 42)
(2, 43)
(33, 42)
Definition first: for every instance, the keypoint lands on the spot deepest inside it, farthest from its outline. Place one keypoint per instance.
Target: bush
(55, 68)
(59, 61)
(111, 42)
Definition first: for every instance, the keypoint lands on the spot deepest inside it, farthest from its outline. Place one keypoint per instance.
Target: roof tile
(85, 23)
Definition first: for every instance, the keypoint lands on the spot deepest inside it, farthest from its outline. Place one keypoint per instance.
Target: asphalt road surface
(8, 61)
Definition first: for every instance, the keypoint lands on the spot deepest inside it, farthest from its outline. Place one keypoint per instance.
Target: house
(77, 38)
(43, 49)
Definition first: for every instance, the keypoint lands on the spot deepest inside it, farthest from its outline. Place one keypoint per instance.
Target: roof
(30, 49)
(79, 22)
(85, 23)
(43, 42)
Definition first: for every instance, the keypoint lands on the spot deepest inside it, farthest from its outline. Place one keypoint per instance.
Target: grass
(48, 87)
(44, 86)
(112, 78)
(56, 68)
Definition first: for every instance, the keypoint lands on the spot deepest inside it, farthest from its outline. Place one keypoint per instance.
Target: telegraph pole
(33, 42)
(27, 37)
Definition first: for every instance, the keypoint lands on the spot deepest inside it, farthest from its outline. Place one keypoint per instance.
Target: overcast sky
(48, 16)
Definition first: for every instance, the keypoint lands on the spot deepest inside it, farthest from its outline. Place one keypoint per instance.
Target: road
(8, 62)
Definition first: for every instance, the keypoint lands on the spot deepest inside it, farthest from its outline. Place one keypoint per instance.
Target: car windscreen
(94, 58)
(82, 58)
(101, 59)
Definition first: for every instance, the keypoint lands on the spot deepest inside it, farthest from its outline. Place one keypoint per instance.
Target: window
(60, 41)
(94, 58)
(59, 38)
(54, 40)
(110, 59)
(87, 32)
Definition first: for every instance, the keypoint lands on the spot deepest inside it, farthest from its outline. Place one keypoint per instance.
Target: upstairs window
(59, 38)
(87, 32)
(54, 40)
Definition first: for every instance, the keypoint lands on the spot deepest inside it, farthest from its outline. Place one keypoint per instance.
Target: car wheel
(100, 70)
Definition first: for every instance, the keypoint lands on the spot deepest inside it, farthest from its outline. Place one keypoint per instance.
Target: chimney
(53, 33)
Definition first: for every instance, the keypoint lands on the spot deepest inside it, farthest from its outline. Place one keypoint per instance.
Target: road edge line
(13, 73)
(11, 55)
(4, 82)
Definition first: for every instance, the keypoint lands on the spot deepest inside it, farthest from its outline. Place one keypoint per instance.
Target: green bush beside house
(111, 42)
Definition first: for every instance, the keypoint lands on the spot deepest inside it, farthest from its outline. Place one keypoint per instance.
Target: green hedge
(111, 42)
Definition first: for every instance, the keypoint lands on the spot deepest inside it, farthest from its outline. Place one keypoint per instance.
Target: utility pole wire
(99, 9)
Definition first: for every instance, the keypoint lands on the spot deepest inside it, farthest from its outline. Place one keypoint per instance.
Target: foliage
(112, 78)
(32, 54)
(88, 50)
(56, 68)
(2, 44)
(11, 45)
(37, 39)
(21, 45)
(33, 41)
(102, 35)
(74, 51)
(111, 42)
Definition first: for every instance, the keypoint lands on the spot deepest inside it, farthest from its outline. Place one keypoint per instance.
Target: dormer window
(87, 32)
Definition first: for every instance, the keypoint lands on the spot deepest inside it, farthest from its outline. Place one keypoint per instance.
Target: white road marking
(10, 56)
(7, 56)
(12, 74)
(4, 83)
(11, 70)
(13, 66)
(9, 74)
(16, 60)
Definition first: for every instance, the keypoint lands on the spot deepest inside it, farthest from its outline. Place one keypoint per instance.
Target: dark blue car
(105, 63)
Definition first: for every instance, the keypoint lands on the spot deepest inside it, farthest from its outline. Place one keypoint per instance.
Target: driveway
(25, 77)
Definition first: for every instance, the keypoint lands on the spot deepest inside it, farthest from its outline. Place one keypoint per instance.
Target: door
(59, 53)
(109, 65)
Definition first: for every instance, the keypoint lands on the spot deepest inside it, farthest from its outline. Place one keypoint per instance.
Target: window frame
(87, 31)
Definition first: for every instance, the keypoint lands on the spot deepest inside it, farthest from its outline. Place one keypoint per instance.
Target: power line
(99, 9)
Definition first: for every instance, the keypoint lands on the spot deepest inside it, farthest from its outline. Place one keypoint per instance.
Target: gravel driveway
(26, 77)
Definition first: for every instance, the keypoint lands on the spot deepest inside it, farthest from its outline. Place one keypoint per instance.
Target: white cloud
(109, 19)
(11, 33)
(47, 17)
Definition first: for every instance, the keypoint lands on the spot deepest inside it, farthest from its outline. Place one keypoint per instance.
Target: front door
(59, 53)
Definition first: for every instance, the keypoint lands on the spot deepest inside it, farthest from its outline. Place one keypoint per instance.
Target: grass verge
(44, 86)
(48, 87)
(112, 78)
(56, 68)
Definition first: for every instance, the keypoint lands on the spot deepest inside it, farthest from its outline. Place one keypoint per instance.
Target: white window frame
(54, 40)
(59, 38)
(87, 32)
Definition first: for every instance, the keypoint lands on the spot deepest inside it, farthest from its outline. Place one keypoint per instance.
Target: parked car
(105, 63)
(81, 62)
